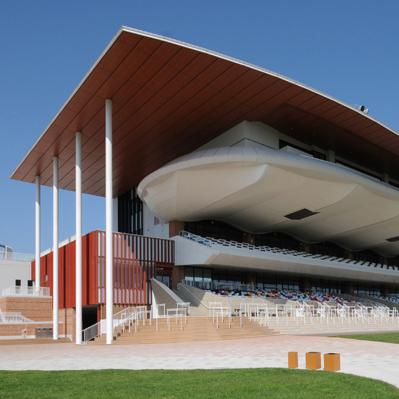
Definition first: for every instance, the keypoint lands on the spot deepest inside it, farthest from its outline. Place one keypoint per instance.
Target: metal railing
(13, 317)
(26, 291)
(213, 242)
(215, 285)
(7, 255)
(330, 313)
(91, 332)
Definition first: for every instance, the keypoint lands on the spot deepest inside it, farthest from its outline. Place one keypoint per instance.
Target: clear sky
(347, 49)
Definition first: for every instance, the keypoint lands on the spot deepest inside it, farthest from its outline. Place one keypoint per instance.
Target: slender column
(108, 227)
(55, 247)
(37, 233)
(78, 188)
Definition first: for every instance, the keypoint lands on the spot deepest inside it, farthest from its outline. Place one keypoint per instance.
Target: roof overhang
(169, 98)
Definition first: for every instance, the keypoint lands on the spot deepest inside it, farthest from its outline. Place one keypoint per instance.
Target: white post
(55, 248)
(78, 188)
(37, 233)
(108, 228)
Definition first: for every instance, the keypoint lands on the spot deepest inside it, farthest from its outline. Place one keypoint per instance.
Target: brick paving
(368, 359)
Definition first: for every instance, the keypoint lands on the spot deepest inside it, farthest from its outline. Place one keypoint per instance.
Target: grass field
(391, 338)
(244, 383)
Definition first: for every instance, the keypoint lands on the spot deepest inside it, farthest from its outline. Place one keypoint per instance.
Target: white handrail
(26, 291)
(13, 317)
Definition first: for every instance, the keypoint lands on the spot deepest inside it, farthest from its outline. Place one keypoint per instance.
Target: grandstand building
(214, 171)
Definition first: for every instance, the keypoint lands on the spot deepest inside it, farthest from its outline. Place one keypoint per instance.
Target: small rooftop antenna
(362, 108)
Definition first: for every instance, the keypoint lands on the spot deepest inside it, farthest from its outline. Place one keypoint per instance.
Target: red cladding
(135, 262)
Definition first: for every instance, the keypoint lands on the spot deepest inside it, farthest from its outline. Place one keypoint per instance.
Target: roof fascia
(202, 50)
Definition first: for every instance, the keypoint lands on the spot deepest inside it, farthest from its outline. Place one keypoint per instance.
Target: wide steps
(290, 327)
(195, 329)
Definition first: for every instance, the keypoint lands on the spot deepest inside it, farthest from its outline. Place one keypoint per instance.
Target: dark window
(318, 155)
(368, 256)
(130, 213)
(17, 283)
(278, 240)
(214, 229)
(30, 283)
(375, 176)
(314, 153)
(393, 261)
(328, 248)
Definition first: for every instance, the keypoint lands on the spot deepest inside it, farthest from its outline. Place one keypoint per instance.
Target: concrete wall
(254, 134)
(11, 270)
(153, 226)
(162, 294)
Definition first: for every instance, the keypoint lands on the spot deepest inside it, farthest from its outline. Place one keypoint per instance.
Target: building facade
(300, 189)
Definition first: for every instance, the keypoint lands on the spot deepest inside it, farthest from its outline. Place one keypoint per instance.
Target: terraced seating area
(276, 294)
(388, 298)
(219, 242)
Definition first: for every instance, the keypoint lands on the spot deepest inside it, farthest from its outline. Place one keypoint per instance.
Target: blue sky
(347, 49)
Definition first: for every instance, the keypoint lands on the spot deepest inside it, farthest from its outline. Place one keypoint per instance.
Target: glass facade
(130, 213)
(214, 229)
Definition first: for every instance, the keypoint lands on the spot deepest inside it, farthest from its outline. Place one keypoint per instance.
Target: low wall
(39, 310)
(162, 294)
(23, 330)
(34, 308)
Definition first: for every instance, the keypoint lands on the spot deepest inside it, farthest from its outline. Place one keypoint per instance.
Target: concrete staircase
(195, 329)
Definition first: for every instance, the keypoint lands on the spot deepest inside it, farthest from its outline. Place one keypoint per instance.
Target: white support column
(78, 188)
(55, 247)
(108, 228)
(37, 233)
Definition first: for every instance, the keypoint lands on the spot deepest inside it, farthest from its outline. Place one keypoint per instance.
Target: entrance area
(164, 275)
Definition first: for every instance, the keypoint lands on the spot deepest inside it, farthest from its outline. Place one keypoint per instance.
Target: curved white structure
(256, 189)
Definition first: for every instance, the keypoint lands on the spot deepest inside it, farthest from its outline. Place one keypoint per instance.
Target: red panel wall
(135, 259)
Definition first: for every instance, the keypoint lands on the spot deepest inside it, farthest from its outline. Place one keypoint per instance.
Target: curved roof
(257, 189)
(169, 98)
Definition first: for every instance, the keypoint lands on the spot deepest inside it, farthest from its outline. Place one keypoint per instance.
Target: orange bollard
(332, 361)
(313, 360)
(292, 360)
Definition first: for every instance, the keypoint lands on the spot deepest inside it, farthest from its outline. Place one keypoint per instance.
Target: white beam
(108, 213)
(78, 188)
(55, 247)
(37, 233)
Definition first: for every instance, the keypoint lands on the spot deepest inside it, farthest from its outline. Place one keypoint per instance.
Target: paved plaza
(363, 358)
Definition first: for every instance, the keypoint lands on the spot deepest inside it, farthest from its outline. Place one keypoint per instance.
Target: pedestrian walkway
(363, 358)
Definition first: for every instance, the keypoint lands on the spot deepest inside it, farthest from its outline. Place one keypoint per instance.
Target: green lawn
(391, 338)
(246, 383)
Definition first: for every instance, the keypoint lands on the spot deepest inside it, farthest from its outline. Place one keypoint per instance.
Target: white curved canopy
(256, 188)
